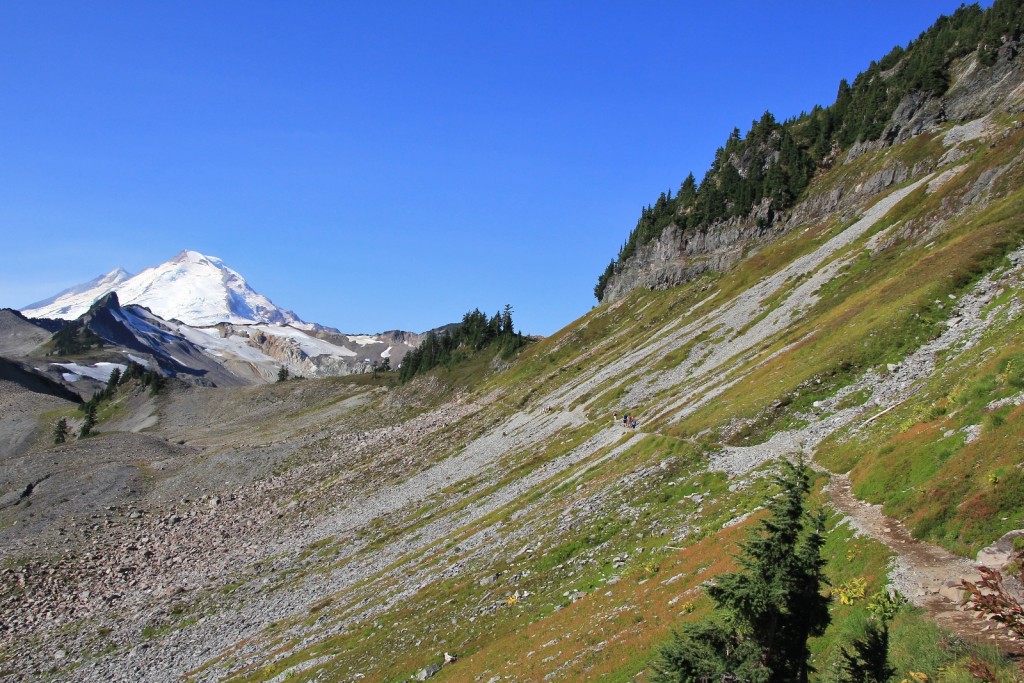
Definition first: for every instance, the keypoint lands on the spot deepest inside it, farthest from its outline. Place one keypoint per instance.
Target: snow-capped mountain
(68, 305)
(193, 288)
(194, 318)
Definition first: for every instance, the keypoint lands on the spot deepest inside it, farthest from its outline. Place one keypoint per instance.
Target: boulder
(1000, 553)
(428, 672)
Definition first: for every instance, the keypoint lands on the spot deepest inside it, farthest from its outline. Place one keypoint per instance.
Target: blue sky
(375, 166)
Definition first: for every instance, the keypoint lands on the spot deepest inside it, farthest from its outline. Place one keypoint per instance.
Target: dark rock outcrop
(679, 256)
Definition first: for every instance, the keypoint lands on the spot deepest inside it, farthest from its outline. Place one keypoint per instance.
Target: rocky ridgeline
(679, 255)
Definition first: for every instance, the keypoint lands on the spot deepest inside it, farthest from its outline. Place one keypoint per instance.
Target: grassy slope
(554, 600)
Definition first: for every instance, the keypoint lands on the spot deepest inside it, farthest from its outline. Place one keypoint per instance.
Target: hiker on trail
(625, 419)
(634, 423)
(615, 417)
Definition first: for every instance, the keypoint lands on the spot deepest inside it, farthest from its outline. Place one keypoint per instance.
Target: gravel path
(925, 573)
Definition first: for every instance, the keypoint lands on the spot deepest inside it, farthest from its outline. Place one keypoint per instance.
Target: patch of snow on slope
(363, 339)
(210, 341)
(311, 346)
(140, 325)
(69, 303)
(386, 353)
(100, 371)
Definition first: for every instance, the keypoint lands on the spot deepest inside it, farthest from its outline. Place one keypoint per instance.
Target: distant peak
(192, 288)
(192, 256)
(111, 279)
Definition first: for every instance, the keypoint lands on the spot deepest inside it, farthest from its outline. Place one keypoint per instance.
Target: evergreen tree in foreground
(765, 613)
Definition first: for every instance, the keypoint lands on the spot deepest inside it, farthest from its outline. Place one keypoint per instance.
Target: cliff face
(976, 95)
(679, 256)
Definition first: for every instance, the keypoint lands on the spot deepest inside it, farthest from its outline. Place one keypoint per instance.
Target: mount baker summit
(196, 319)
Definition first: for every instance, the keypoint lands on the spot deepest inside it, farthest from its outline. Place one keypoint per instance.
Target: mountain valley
(497, 519)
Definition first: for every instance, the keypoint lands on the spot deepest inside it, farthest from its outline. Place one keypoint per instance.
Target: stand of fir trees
(89, 408)
(776, 161)
(475, 334)
(75, 338)
(134, 372)
(765, 613)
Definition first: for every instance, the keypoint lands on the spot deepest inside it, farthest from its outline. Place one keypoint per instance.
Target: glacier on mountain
(192, 288)
(66, 304)
(198, 319)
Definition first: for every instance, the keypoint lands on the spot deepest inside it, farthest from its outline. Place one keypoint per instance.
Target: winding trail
(925, 573)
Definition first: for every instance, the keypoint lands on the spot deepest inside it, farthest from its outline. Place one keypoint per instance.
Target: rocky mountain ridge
(680, 254)
(222, 355)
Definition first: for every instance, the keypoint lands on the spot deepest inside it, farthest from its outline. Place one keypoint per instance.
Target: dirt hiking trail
(927, 574)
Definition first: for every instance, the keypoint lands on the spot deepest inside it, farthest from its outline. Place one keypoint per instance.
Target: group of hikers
(627, 420)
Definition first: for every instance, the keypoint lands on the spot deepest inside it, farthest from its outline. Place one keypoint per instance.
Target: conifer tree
(115, 378)
(766, 612)
(495, 324)
(602, 281)
(687, 191)
(506, 321)
(60, 431)
(90, 420)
